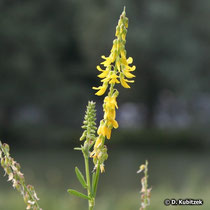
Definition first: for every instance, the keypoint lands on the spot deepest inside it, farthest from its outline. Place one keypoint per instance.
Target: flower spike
(117, 69)
(117, 58)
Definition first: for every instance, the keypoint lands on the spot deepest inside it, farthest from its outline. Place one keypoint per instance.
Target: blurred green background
(48, 54)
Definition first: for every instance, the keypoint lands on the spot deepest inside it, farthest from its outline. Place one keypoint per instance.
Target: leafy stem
(91, 202)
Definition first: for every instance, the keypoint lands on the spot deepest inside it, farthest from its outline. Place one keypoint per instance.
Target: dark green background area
(49, 51)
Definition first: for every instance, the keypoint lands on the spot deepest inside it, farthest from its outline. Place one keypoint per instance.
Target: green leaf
(79, 194)
(77, 148)
(80, 177)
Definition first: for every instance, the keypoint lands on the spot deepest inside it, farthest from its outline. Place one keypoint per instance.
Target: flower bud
(6, 147)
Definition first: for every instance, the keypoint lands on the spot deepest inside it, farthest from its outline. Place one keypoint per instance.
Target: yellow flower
(130, 60)
(116, 64)
(128, 74)
(102, 129)
(111, 102)
(108, 132)
(109, 77)
(105, 131)
(104, 72)
(109, 114)
(124, 81)
(102, 168)
(114, 123)
(114, 79)
(126, 68)
(101, 89)
(108, 60)
(117, 69)
(94, 153)
(123, 54)
(98, 142)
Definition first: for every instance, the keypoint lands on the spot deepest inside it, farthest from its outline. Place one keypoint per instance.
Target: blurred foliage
(172, 174)
(124, 201)
(182, 139)
(49, 51)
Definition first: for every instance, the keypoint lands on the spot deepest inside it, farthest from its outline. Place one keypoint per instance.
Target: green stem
(91, 202)
(87, 175)
(97, 178)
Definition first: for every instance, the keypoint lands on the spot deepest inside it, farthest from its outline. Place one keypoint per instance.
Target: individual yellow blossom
(98, 142)
(126, 69)
(104, 130)
(113, 123)
(113, 79)
(103, 74)
(124, 81)
(108, 60)
(128, 74)
(110, 101)
(101, 89)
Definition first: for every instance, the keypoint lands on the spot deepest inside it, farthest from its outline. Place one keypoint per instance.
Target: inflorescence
(12, 169)
(118, 69)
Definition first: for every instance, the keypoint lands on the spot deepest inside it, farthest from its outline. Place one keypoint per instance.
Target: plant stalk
(91, 202)
(97, 178)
